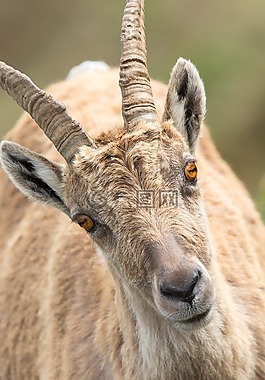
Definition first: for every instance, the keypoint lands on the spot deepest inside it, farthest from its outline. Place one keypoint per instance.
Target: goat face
(148, 218)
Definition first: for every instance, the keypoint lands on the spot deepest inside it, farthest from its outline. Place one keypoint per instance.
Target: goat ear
(186, 101)
(33, 174)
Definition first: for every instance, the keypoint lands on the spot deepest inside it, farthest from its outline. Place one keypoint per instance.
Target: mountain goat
(167, 282)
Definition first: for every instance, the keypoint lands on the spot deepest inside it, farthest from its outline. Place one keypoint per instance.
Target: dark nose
(181, 290)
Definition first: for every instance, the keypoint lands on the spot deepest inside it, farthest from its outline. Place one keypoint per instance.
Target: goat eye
(85, 222)
(191, 171)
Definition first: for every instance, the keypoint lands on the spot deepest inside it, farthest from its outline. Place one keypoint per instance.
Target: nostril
(185, 293)
(169, 290)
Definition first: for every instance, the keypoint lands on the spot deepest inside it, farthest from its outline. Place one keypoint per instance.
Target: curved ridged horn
(137, 98)
(65, 133)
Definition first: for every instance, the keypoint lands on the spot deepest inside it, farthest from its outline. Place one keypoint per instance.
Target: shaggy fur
(70, 310)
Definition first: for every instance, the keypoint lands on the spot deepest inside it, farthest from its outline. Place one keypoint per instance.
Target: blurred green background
(226, 41)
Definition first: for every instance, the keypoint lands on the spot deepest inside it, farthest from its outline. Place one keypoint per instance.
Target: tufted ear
(33, 174)
(186, 101)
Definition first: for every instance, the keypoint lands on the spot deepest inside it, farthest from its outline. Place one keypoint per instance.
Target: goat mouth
(197, 318)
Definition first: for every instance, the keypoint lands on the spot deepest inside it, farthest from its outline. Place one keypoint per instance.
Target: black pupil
(193, 170)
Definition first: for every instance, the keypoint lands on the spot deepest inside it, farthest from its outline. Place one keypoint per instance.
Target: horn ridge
(137, 96)
(65, 133)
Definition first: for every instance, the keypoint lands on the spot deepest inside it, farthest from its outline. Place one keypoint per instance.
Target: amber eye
(191, 171)
(85, 222)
